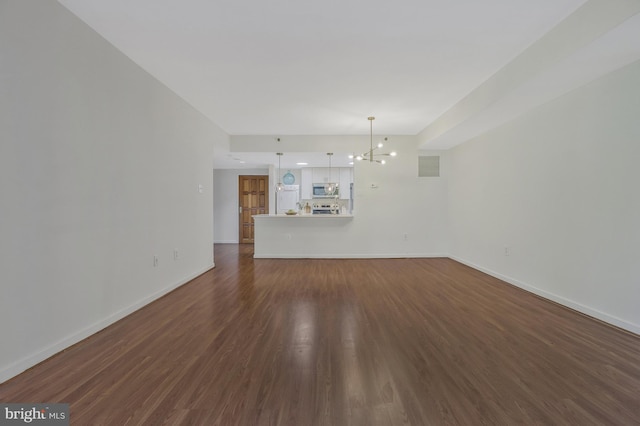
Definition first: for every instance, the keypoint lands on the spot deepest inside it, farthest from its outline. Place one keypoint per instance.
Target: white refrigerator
(287, 199)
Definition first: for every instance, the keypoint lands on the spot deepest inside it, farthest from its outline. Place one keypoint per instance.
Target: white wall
(559, 187)
(99, 170)
(225, 202)
(402, 203)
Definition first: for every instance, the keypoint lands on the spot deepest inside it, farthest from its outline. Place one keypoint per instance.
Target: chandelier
(330, 187)
(370, 155)
(279, 185)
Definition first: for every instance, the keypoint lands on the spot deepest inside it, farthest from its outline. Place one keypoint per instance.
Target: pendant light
(369, 155)
(279, 185)
(330, 187)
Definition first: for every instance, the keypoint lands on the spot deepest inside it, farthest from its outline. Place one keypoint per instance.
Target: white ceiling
(300, 67)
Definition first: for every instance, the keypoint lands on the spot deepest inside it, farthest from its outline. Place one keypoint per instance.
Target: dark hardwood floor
(344, 342)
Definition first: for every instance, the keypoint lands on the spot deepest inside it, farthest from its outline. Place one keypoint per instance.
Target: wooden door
(254, 199)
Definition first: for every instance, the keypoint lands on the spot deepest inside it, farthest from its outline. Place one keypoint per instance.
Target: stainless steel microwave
(319, 192)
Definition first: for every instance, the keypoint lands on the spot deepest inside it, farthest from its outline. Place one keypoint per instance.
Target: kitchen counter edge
(303, 216)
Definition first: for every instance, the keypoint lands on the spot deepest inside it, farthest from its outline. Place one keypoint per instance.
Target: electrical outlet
(175, 254)
(406, 237)
(155, 261)
(507, 251)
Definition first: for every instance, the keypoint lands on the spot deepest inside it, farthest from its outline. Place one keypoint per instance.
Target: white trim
(226, 242)
(603, 316)
(346, 256)
(29, 361)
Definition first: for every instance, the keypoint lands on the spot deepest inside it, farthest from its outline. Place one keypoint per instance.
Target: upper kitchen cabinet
(343, 176)
(321, 174)
(346, 178)
(306, 180)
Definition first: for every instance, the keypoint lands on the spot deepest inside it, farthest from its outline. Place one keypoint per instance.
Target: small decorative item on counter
(307, 208)
(291, 212)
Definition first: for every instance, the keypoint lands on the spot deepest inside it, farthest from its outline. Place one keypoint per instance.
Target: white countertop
(303, 216)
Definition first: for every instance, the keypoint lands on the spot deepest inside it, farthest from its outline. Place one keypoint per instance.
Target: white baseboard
(226, 242)
(603, 316)
(29, 361)
(345, 256)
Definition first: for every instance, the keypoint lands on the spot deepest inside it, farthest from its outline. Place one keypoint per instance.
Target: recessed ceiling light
(302, 164)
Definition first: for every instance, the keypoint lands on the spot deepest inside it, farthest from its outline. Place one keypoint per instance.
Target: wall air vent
(429, 166)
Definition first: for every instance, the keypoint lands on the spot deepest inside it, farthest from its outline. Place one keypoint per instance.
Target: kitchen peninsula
(299, 235)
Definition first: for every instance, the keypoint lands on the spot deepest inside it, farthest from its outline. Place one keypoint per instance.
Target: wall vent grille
(429, 166)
